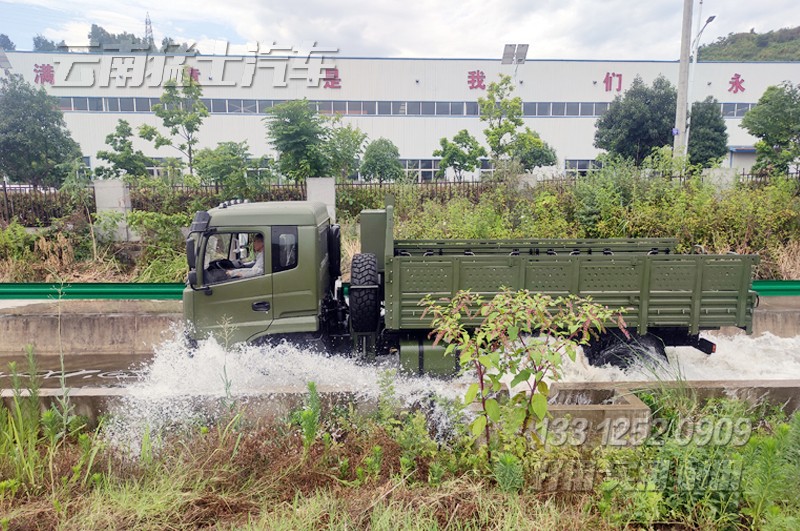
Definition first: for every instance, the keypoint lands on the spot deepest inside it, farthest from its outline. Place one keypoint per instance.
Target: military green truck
(291, 286)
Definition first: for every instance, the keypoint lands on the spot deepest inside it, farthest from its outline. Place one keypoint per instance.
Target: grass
(339, 470)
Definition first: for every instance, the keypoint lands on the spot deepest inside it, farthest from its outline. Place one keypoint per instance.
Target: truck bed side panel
(693, 291)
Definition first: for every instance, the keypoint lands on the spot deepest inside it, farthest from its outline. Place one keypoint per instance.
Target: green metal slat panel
(116, 291)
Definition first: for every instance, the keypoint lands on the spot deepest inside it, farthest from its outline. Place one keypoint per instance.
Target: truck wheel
(364, 304)
(612, 348)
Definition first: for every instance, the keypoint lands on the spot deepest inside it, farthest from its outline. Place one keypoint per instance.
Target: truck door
(234, 308)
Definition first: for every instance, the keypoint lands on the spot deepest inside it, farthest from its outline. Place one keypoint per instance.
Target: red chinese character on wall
(737, 84)
(332, 80)
(608, 81)
(475, 79)
(44, 74)
(194, 73)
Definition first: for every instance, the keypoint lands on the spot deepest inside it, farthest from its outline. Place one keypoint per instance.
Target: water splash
(180, 389)
(739, 357)
(177, 390)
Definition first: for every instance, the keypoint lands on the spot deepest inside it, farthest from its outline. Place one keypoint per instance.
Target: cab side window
(284, 248)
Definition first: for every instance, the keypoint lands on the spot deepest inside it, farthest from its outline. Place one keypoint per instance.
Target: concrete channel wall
(136, 327)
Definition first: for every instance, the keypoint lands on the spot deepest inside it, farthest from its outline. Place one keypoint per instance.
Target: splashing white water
(740, 357)
(179, 389)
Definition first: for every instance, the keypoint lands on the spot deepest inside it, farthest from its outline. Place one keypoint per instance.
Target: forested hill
(780, 45)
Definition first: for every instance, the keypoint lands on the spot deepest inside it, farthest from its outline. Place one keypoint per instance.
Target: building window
(142, 104)
(543, 109)
(126, 104)
(354, 107)
(529, 109)
(559, 108)
(399, 107)
(80, 104)
(112, 104)
(65, 104)
(457, 108)
(339, 107)
(573, 109)
(581, 167)
(234, 105)
(264, 106)
(384, 107)
(600, 108)
(412, 107)
(472, 108)
(219, 105)
(442, 108)
(728, 110)
(369, 107)
(587, 109)
(249, 106)
(741, 109)
(428, 108)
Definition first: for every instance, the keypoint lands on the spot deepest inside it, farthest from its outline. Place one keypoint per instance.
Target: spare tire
(335, 252)
(364, 303)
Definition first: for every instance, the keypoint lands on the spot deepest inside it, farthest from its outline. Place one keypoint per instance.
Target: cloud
(557, 29)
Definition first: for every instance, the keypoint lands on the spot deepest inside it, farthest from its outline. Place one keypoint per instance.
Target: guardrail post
(323, 189)
(112, 195)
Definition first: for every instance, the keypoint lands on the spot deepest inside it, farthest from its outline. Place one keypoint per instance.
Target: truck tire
(364, 304)
(613, 348)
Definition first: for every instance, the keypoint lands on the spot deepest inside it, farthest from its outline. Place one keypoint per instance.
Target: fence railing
(178, 198)
(37, 207)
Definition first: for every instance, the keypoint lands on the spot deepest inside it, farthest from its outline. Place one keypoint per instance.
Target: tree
(503, 115)
(531, 151)
(708, 137)
(35, 144)
(381, 161)
(462, 154)
(6, 44)
(299, 136)
(123, 159)
(343, 150)
(42, 44)
(639, 120)
(182, 113)
(225, 166)
(775, 121)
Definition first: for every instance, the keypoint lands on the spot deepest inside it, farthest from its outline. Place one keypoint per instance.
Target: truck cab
(238, 294)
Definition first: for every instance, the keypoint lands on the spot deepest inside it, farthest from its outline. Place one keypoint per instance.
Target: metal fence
(37, 207)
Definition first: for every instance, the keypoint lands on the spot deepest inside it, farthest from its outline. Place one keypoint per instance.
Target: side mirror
(191, 257)
(242, 251)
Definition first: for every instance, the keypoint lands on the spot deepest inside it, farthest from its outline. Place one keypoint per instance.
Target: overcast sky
(554, 29)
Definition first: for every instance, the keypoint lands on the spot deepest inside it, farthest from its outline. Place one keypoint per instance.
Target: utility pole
(679, 146)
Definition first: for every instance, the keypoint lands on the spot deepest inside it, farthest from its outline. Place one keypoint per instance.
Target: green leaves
(538, 406)
(500, 349)
(472, 392)
(478, 426)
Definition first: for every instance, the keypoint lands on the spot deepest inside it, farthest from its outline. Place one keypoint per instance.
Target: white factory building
(413, 102)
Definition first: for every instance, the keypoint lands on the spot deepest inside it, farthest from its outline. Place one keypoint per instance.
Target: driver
(254, 268)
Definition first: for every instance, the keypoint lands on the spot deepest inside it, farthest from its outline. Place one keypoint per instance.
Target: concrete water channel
(110, 347)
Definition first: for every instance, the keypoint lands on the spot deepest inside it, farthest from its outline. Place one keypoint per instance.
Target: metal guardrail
(139, 291)
(110, 290)
(777, 288)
